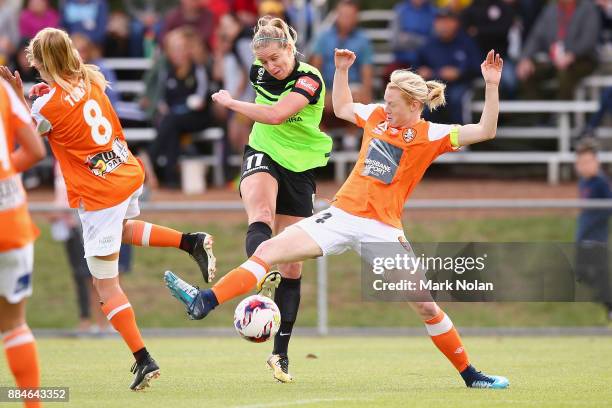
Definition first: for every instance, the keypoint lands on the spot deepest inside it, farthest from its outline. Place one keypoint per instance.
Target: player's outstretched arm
(268, 114)
(342, 98)
(31, 148)
(491, 70)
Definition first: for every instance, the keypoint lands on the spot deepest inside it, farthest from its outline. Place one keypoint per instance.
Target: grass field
(53, 304)
(348, 372)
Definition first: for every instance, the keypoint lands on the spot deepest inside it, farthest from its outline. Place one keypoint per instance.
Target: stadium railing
(213, 135)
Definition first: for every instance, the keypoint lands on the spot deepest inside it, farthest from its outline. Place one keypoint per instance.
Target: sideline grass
(349, 372)
(54, 306)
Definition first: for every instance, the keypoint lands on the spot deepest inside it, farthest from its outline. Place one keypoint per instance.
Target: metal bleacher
(376, 24)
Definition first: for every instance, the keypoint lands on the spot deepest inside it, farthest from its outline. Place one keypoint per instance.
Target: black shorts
(295, 190)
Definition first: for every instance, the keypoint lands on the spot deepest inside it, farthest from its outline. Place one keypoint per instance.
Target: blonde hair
(274, 30)
(414, 87)
(54, 51)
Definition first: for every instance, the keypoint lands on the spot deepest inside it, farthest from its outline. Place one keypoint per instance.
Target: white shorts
(103, 229)
(16, 273)
(336, 231)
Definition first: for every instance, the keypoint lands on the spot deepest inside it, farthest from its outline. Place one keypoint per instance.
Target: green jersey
(297, 144)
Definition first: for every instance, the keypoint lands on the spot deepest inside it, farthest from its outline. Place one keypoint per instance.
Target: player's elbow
(490, 134)
(276, 120)
(275, 117)
(341, 112)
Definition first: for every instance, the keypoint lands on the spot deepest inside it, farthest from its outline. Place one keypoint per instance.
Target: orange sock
(445, 337)
(147, 234)
(240, 280)
(120, 314)
(22, 357)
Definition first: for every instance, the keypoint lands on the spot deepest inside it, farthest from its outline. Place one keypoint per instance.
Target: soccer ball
(257, 318)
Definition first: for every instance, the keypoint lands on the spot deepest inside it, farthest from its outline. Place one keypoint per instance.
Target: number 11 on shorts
(258, 159)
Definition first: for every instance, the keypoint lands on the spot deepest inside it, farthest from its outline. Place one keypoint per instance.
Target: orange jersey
(391, 163)
(16, 226)
(88, 142)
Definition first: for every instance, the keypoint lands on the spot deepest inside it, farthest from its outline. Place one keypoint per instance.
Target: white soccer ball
(257, 318)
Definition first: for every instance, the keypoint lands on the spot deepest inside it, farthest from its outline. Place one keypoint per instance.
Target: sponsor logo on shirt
(294, 119)
(381, 128)
(104, 163)
(11, 193)
(382, 160)
(307, 84)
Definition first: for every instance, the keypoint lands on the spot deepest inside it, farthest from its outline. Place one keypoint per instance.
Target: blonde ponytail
(53, 51)
(274, 30)
(414, 87)
(435, 95)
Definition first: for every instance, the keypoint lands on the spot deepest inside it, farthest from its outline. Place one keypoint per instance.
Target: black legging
(168, 141)
(80, 271)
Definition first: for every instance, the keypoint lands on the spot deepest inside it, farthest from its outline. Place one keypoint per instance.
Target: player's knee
(263, 214)
(102, 269)
(263, 250)
(426, 310)
(291, 270)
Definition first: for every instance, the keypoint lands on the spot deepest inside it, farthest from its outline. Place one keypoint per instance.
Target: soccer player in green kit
(277, 182)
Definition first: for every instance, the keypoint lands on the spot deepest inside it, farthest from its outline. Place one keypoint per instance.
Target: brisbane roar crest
(409, 135)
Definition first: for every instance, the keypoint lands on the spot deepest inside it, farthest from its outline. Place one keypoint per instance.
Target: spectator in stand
(26, 71)
(565, 35)
(90, 53)
(592, 263)
(9, 32)
(191, 13)
(605, 101)
(37, 15)
(273, 8)
(455, 5)
(246, 11)
(145, 25)
(411, 28)
(233, 58)
(344, 34)
(177, 95)
(452, 56)
(117, 43)
(488, 22)
(527, 12)
(88, 17)
(605, 10)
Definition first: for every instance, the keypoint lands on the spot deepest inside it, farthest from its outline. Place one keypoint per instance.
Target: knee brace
(101, 269)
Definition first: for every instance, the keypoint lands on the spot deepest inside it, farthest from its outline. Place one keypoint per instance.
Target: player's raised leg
(119, 312)
(197, 244)
(447, 340)
(291, 245)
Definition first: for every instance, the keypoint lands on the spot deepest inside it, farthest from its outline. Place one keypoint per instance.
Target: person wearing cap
(452, 56)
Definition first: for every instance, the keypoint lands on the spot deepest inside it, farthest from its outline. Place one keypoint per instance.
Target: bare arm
(268, 114)
(342, 99)
(30, 151)
(487, 127)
